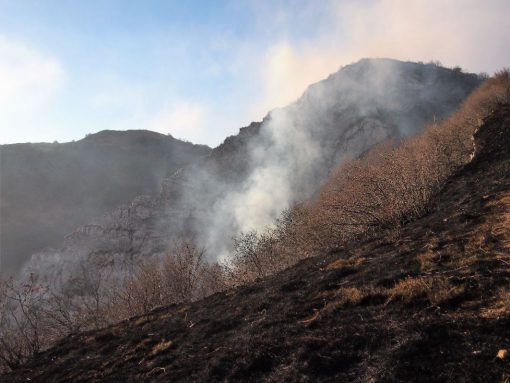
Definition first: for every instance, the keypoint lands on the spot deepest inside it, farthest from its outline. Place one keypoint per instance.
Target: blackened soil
(292, 327)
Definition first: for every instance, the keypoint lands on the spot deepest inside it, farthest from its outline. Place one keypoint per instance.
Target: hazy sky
(199, 70)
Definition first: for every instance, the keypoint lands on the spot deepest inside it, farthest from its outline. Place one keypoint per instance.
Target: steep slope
(432, 304)
(47, 190)
(245, 182)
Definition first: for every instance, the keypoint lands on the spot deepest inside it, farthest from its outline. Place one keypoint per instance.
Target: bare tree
(22, 323)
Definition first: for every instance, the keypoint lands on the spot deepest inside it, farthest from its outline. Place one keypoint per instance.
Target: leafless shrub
(22, 324)
(276, 248)
(183, 275)
(139, 292)
(33, 315)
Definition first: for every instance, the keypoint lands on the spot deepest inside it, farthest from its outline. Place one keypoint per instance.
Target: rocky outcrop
(47, 190)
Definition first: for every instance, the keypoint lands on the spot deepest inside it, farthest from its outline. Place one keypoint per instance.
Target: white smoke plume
(339, 117)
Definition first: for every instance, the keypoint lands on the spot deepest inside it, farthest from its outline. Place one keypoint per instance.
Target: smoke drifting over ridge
(298, 145)
(246, 182)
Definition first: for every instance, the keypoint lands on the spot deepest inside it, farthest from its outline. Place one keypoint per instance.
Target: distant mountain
(47, 190)
(244, 183)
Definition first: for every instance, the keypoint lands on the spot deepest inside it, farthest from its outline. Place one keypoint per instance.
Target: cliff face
(246, 181)
(47, 190)
(429, 306)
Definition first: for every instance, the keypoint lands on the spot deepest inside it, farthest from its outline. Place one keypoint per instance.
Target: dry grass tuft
(142, 320)
(349, 296)
(436, 290)
(160, 347)
(312, 319)
(143, 344)
(346, 262)
(500, 307)
(428, 260)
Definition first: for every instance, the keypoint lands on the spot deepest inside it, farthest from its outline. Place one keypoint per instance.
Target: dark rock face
(246, 181)
(295, 327)
(47, 190)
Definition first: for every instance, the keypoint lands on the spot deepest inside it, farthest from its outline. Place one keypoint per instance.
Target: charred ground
(430, 303)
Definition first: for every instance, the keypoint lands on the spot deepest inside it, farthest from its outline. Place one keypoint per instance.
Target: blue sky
(199, 70)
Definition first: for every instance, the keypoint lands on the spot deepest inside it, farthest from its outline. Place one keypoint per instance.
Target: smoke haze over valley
(245, 183)
(48, 190)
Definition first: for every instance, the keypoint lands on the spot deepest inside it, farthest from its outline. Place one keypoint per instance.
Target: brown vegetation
(182, 276)
(436, 290)
(392, 184)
